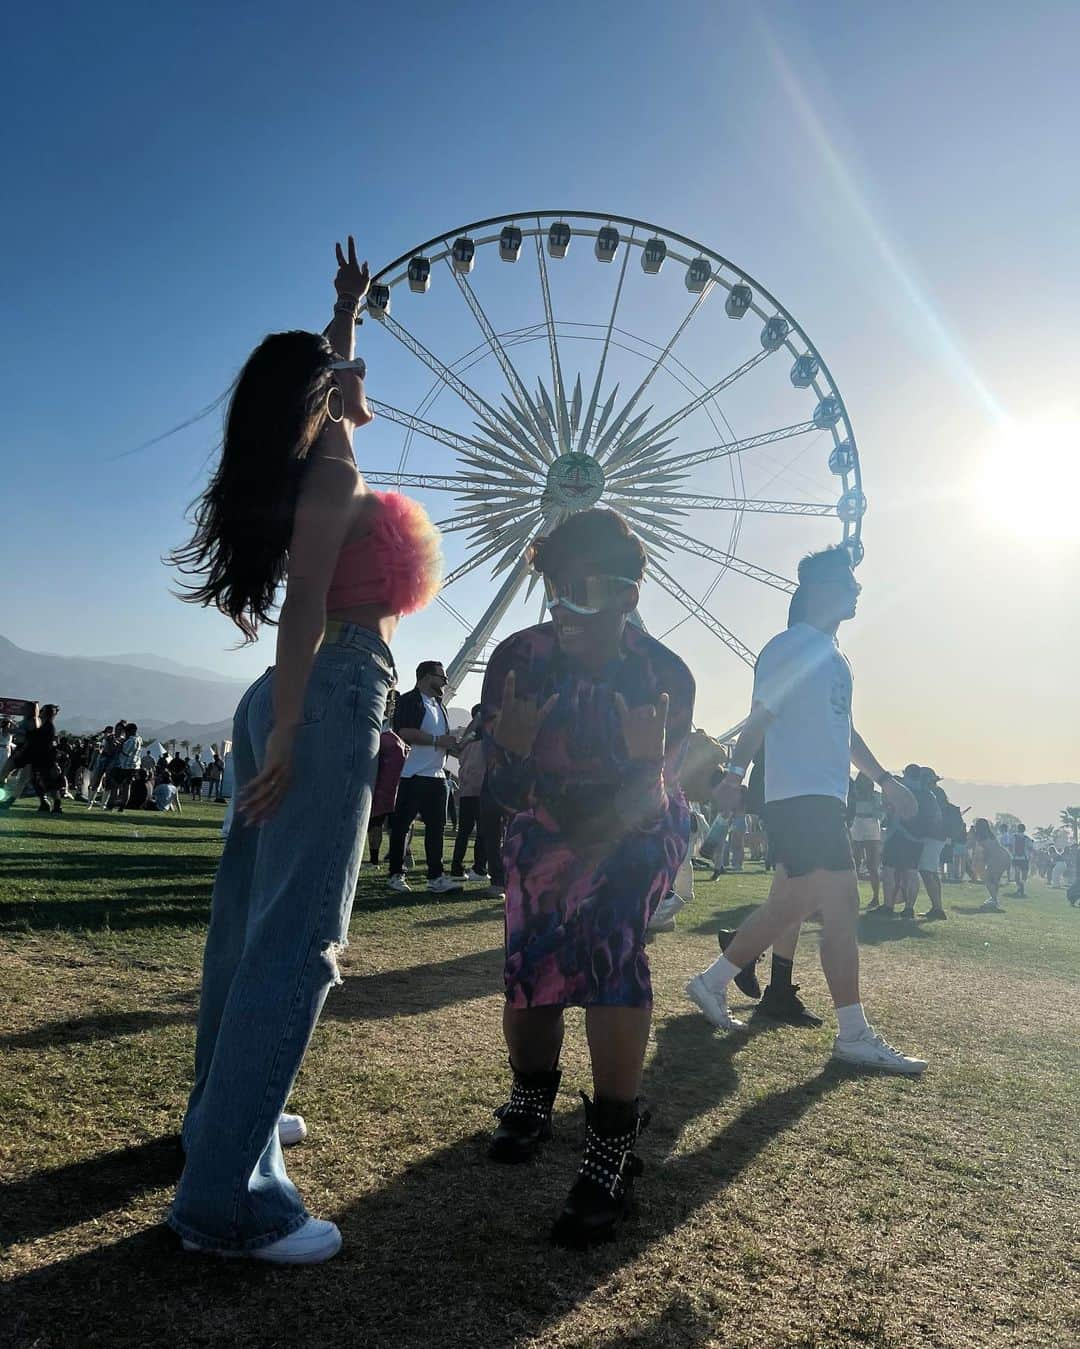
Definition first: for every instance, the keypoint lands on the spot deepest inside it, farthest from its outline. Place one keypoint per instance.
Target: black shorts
(902, 852)
(1021, 866)
(809, 833)
(380, 821)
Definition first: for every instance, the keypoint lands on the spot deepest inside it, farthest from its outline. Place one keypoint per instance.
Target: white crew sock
(719, 974)
(852, 1021)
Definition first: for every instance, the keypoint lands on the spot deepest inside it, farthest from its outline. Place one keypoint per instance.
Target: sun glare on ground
(1029, 480)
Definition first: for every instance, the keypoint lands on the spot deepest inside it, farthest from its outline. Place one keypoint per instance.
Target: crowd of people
(112, 769)
(575, 777)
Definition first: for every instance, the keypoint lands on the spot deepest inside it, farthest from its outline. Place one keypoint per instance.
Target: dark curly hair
(244, 519)
(595, 542)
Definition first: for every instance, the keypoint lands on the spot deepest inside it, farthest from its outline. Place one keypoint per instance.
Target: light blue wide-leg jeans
(280, 914)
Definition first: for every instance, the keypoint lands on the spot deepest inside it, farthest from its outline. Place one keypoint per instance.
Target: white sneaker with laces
(472, 875)
(311, 1244)
(400, 884)
(869, 1050)
(291, 1129)
(443, 884)
(712, 1005)
(663, 920)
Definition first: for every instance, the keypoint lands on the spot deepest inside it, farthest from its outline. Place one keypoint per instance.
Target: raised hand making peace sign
(353, 278)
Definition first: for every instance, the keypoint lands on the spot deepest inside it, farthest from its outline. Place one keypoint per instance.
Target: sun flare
(1029, 479)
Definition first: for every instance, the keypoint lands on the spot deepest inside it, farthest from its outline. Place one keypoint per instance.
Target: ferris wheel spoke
(452, 381)
(424, 482)
(681, 462)
(626, 449)
(521, 394)
(455, 614)
(686, 543)
(465, 660)
(587, 423)
(451, 439)
(658, 364)
(524, 528)
(687, 501)
(558, 389)
(667, 582)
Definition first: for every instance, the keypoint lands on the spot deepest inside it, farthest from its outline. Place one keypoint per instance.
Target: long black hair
(244, 519)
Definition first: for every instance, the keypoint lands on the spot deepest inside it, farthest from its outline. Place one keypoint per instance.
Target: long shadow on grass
(71, 866)
(170, 905)
(876, 931)
(50, 1201)
(452, 1251)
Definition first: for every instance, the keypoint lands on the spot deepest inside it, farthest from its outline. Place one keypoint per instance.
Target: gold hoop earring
(329, 409)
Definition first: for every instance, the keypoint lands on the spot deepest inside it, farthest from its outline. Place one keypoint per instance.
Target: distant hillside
(93, 693)
(1036, 804)
(162, 665)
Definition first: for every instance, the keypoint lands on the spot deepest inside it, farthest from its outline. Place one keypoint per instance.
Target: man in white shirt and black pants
(420, 720)
(801, 710)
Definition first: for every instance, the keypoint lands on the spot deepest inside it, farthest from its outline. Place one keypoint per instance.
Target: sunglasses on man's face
(359, 366)
(585, 594)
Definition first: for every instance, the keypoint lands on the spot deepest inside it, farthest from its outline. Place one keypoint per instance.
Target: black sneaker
(784, 1004)
(746, 981)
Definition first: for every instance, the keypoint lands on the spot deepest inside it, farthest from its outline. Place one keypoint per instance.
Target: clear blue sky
(904, 178)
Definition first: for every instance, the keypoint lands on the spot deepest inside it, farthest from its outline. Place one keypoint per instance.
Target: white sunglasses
(359, 365)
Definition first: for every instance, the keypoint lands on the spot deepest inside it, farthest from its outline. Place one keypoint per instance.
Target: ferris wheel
(590, 358)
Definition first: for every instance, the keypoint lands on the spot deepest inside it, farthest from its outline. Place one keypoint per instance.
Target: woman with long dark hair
(288, 505)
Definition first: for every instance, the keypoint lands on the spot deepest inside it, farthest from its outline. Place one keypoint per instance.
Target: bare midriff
(371, 616)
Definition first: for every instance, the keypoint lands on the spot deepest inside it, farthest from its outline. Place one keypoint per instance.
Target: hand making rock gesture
(644, 728)
(518, 720)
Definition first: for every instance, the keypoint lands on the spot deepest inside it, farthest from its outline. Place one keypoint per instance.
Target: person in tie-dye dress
(590, 719)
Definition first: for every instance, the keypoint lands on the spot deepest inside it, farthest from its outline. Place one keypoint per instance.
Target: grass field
(785, 1202)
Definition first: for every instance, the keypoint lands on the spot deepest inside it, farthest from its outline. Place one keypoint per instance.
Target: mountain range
(1035, 804)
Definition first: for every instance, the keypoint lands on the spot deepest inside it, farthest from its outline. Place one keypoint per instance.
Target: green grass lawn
(785, 1202)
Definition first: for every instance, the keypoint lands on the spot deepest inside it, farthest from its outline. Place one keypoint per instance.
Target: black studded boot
(525, 1119)
(600, 1197)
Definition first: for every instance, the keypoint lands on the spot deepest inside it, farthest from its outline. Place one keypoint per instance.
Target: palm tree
(1070, 818)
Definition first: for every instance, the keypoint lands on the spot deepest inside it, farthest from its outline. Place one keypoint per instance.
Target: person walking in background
(420, 720)
(196, 773)
(42, 757)
(1021, 859)
(995, 861)
(126, 763)
(864, 809)
(471, 769)
(287, 504)
(801, 709)
(931, 828)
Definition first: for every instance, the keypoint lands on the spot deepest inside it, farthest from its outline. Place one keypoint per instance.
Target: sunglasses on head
(585, 594)
(359, 366)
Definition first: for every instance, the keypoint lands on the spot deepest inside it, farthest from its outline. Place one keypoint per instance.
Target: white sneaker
(869, 1050)
(472, 875)
(663, 920)
(713, 1006)
(291, 1129)
(400, 884)
(988, 906)
(311, 1244)
(493, 892)
(443, 884)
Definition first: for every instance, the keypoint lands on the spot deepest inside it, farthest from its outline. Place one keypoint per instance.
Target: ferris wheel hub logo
(575, 482)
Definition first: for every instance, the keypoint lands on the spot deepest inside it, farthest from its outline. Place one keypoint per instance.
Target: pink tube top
(397, 563)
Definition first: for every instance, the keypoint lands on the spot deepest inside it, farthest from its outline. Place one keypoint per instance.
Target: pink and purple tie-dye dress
(595, 840)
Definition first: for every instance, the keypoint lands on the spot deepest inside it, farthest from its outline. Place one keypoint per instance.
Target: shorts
(930, 860)
(809, 833)
(902, 852)
(1021, 866)
(381, 821)
(865, 830)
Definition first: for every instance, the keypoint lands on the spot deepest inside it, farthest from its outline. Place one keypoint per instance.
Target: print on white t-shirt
(804, 680)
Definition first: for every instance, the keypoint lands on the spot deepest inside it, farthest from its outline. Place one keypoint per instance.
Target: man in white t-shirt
(420, 720)
(801, 712)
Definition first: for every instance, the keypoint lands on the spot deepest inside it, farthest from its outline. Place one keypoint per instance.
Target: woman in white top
(866, 832)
